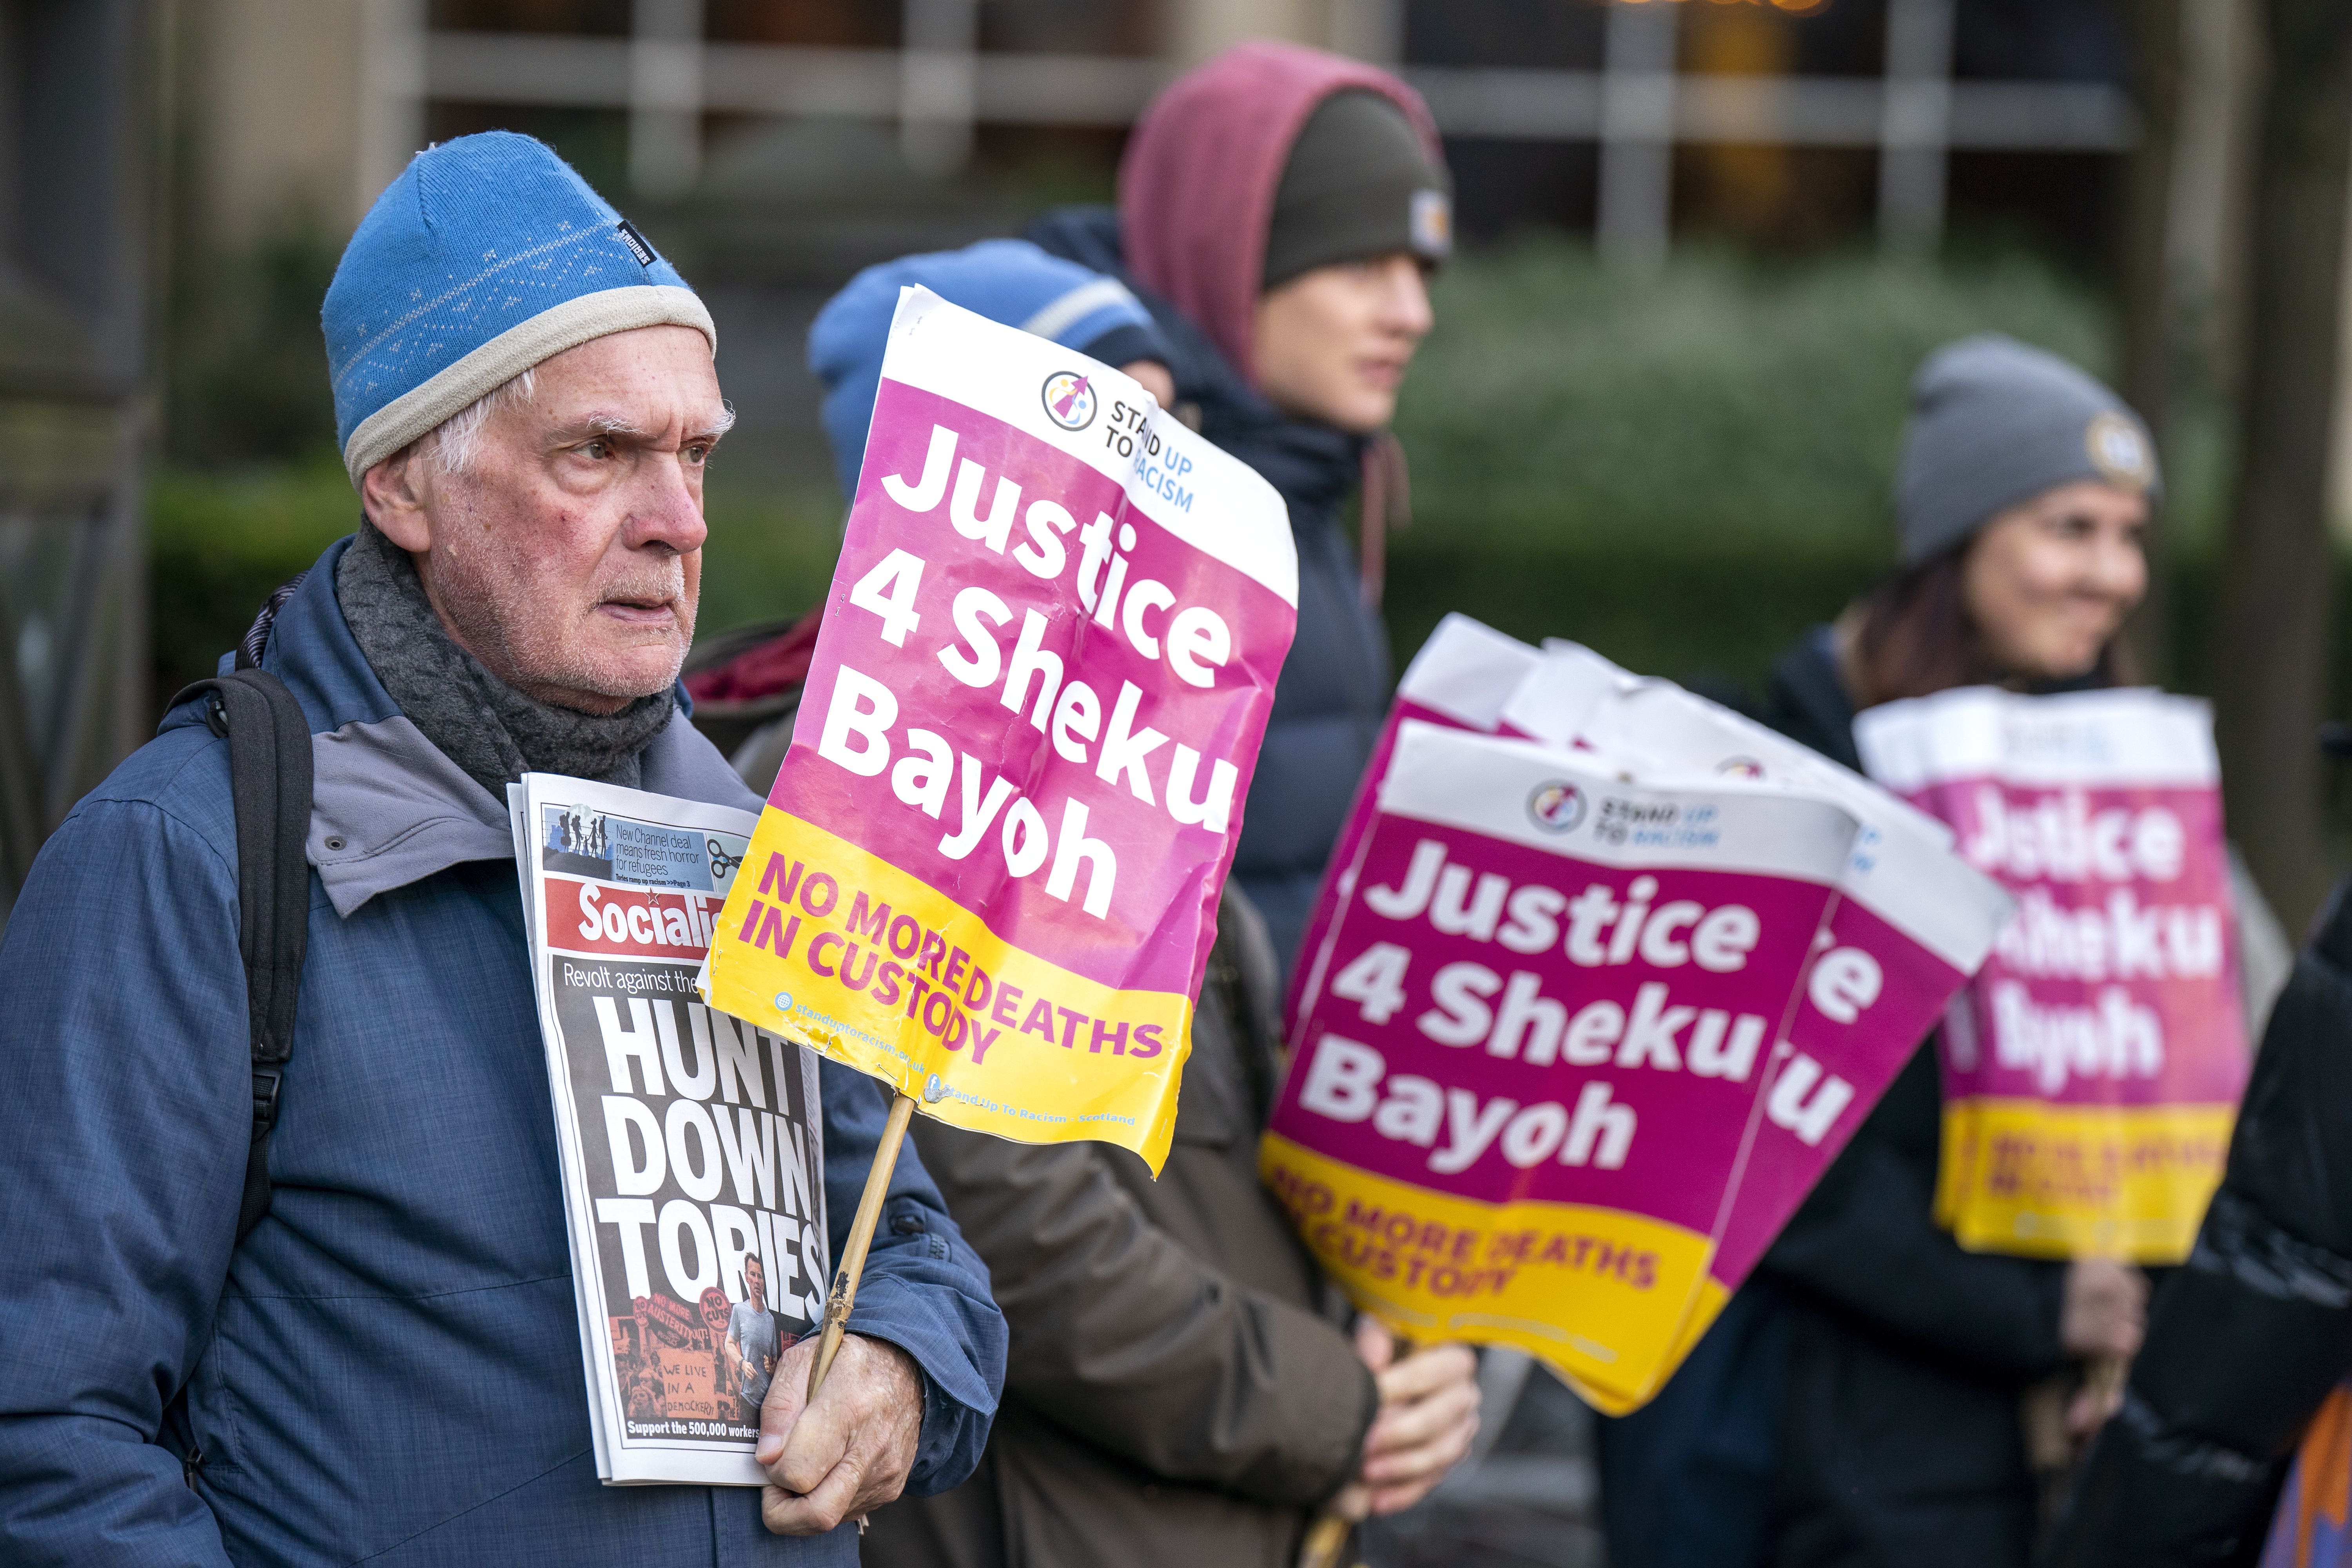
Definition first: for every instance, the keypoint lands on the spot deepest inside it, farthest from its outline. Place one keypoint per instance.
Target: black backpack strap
(269, 781)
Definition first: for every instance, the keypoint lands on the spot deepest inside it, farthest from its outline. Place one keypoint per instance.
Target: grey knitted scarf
(485, 726)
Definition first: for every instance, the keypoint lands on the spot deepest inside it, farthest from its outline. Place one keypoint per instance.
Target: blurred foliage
(247, 370)
(770, 552)
(1710, 615)
(1688, 468)
(1683, 469)
(594, 142)
(1721, 397)
(220, 540)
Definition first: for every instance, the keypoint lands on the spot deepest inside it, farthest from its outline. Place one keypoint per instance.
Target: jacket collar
(388, 809)
(1810, 703)
(1811, 697)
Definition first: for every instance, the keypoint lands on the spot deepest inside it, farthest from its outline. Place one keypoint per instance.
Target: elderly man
(386, 1368)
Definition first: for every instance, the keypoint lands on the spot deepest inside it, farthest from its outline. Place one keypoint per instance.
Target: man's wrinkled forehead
(650, 383)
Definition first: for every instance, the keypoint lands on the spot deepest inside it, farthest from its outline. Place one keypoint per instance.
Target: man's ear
(392, 494)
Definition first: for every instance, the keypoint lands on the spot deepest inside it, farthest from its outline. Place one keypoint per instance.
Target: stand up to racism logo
(1558, 806)
(1069, 400)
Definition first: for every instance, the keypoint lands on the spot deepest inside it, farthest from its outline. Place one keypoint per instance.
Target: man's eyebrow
(613, 426)
(593, 426)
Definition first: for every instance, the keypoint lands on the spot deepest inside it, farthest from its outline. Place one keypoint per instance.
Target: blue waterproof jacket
(388, 1369)
(1334, 690)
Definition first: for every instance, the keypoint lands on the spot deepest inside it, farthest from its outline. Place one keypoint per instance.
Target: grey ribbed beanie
(1993, 423)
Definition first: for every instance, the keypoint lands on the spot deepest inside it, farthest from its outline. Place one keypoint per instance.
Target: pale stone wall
(1369, 29)
(314, 104)
(275, 90)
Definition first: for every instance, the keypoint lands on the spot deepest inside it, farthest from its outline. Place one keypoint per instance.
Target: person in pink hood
(1178, 1388)
(1279, 209)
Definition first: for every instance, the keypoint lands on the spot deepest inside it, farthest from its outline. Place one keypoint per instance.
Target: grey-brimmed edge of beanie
(457, 387)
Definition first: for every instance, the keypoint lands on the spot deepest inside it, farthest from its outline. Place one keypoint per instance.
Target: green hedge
(1682, 469)
(1721, 399)
(218, 542)
(221, 542)
(1715, 614)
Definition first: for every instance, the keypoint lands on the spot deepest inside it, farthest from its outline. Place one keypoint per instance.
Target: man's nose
(667, 508)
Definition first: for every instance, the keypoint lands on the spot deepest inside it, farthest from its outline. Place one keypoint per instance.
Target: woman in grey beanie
(2024, 489)
(1881, 1365)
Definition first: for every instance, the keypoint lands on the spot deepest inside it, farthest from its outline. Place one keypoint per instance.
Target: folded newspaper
(691, 1144)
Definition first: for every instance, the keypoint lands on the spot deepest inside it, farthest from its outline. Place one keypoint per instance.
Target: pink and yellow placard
(2091, 1072)
(1461, 677)
(1911, 925)
(1533, 1040)
(988, 872)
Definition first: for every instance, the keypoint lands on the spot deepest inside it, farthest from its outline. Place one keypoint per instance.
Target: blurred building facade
(1643, 98)
(80, 151)
(774, 147)
(771, 147)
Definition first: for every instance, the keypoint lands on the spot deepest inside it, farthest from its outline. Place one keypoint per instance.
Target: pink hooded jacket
(1196, 188)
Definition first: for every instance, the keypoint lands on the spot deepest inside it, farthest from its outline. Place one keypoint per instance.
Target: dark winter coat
(1901, 1441)
(1175, 1395)
(1335, 685)
(2245, 1339)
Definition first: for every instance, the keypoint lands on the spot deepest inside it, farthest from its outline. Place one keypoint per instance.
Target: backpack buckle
(265, 1098)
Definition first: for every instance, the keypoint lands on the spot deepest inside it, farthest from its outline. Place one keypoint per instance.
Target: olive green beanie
(1358, 184)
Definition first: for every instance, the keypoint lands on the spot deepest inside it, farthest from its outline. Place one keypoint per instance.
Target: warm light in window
(1788, 8)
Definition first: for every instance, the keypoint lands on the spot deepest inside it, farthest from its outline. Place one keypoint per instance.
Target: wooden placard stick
(861, 1236)
(1325, 1537)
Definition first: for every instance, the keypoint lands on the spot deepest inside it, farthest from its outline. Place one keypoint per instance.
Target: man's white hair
(453, 443)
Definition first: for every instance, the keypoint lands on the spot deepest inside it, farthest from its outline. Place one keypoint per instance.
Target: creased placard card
(2092, 1071)
(1912, 923)
(1462, 676)
(988, 872)
(1532, 1046)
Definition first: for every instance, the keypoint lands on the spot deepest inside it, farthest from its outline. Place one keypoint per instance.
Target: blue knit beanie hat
(1007, 281)
(488, 255)
(1995, 422)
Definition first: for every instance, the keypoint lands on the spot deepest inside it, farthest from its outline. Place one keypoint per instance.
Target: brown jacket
(1175, 1395)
